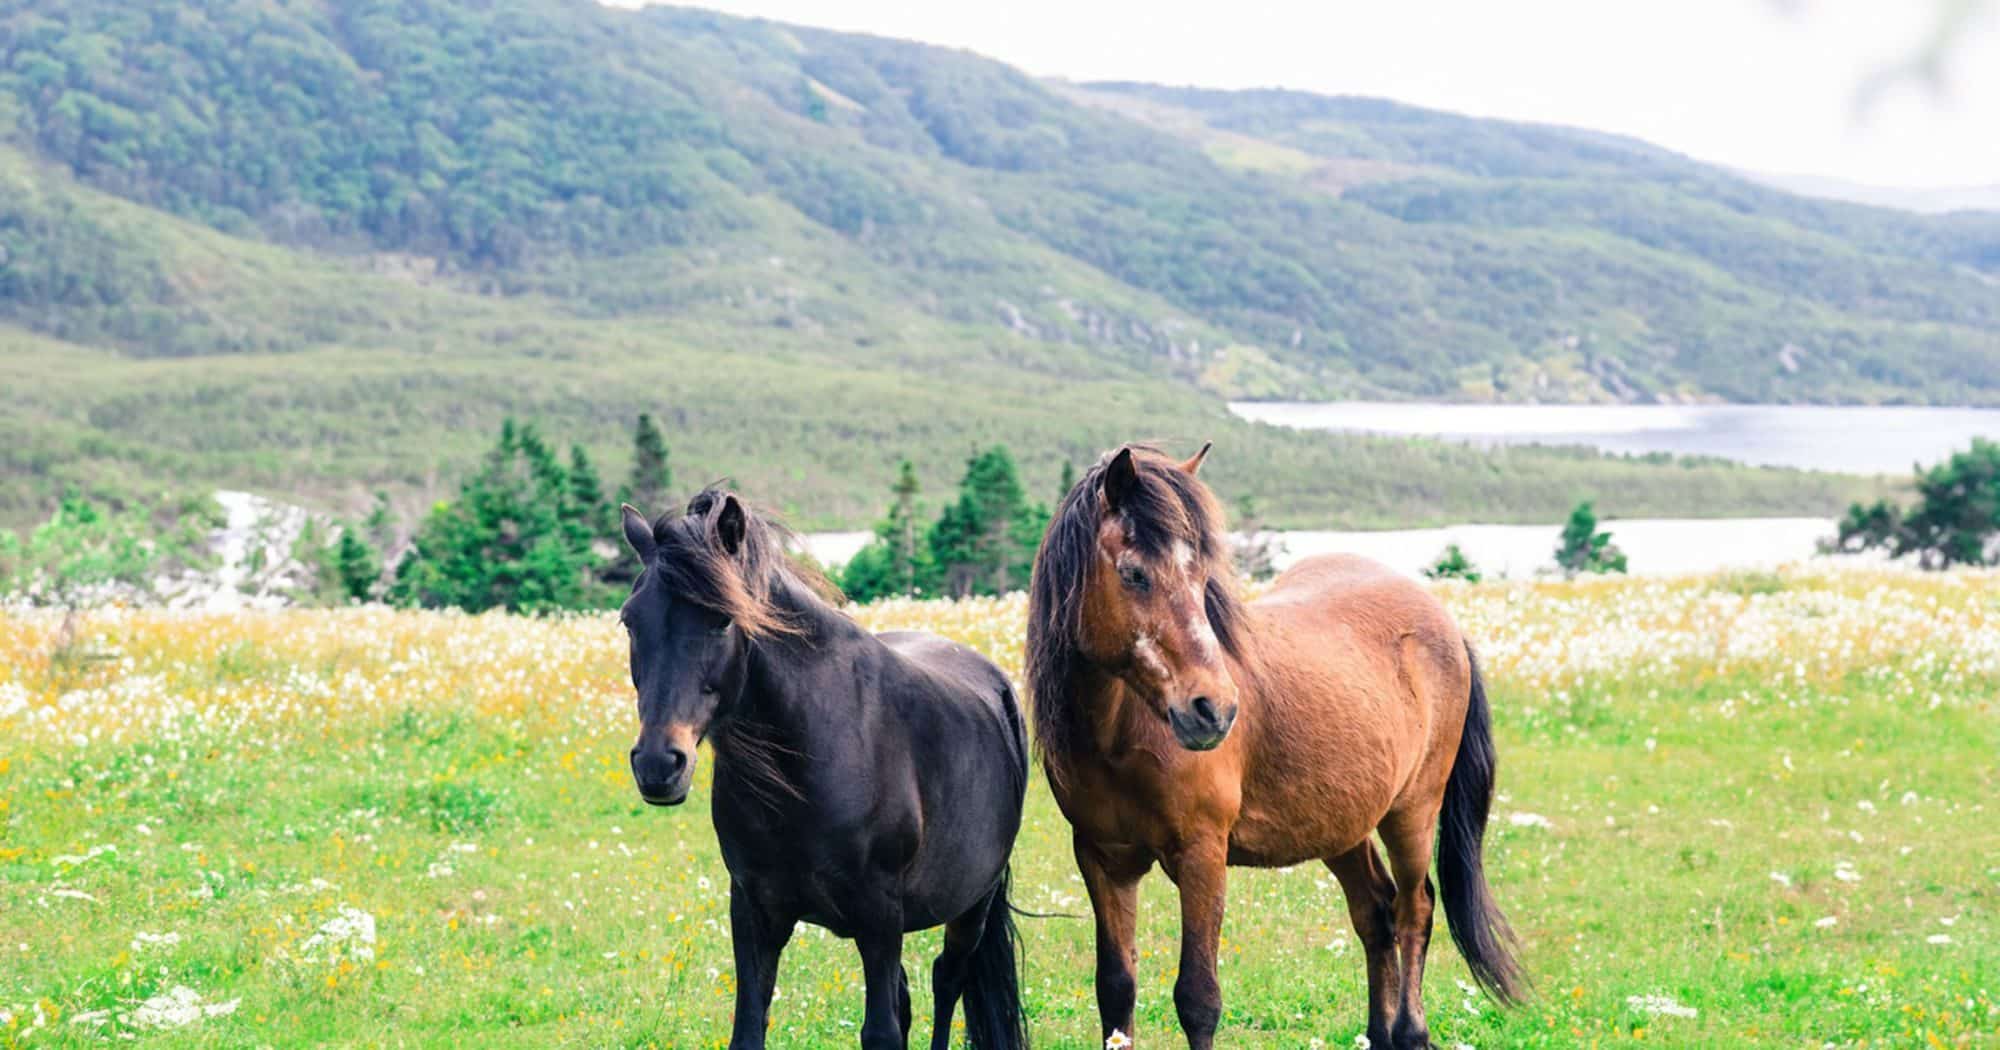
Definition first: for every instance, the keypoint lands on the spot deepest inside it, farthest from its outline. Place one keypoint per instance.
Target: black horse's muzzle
(663, 775)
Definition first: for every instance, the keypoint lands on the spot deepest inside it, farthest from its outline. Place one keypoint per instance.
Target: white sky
(1766, 85)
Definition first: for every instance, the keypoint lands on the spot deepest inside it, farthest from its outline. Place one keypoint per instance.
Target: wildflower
(1118, 1041)
(178, 1007)
(1659, 1006)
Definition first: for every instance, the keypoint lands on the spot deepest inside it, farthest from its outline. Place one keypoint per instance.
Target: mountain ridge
(784, 234)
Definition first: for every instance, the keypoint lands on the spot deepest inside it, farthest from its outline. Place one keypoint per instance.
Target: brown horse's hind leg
(1408, 840)
(1371, 898)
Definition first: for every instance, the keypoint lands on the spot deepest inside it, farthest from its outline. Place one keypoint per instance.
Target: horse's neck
(777, 697)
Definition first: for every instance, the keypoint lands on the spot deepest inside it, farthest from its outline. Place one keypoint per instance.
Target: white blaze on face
(1146, 653)
(1206, 647)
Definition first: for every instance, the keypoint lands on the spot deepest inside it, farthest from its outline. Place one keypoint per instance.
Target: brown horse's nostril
(1205, 707)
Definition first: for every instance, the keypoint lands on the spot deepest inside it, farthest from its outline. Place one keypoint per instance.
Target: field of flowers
(1736, 810)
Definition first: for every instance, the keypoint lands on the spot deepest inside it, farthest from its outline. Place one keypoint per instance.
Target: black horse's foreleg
(758, 939)
(882, 969)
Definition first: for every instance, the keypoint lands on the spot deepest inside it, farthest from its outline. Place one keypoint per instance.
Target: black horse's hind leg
(953, 966)
(758, 939)
(882, 969)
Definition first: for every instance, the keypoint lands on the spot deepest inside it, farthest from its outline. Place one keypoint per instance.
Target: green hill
(314, 248)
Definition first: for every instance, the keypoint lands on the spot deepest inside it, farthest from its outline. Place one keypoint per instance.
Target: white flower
(1659, 1005)
(1781, 878)
(351, 932)
(1529, 820)
(1827, 923)
(1118, 1041)
(180, 1006)
(143, 940)
(1939, 938)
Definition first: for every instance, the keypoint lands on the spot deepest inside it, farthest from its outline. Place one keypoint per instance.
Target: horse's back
(1362, 592)
(970, 676)
(1369, 676)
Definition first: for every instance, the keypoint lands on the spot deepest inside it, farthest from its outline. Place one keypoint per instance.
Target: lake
(1840, 438)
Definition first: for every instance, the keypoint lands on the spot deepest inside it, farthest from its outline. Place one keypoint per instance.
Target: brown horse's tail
(1477, 927)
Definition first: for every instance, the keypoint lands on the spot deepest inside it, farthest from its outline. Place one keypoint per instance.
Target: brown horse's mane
(744, 586)
(1168, 505)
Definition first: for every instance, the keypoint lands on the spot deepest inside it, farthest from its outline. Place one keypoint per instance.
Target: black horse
(870, 784)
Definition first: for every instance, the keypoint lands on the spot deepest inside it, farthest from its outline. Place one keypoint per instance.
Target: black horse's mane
(1166, 505)
(694, 564)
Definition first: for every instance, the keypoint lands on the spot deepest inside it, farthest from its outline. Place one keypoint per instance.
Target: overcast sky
(1766, 85)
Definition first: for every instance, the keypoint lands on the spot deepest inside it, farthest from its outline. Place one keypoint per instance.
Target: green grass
(462, 781)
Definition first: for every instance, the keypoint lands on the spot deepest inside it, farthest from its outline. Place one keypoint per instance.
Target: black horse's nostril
(677, 760)
(1205, 707)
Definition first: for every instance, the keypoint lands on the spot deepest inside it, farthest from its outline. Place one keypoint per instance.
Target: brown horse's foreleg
(1371, 901)
(1112, 878)
(1201, 871)
(1408, 840)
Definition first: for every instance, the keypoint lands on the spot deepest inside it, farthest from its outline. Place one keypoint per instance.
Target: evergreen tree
(1067, 482)
(652, 476)
(647, 489)
(357, 565)
(1452, 564)
(1584, 549)
(586, 511)
(1956, 519)
(900, 531)
(506, 541)
(985, 543)
(896, 561)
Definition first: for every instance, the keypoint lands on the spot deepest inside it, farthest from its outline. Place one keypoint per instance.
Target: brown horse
(1182, 726)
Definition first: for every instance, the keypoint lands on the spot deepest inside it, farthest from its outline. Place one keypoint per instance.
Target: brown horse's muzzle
(1201, 724)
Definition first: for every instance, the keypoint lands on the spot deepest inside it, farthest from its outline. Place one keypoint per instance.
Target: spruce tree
(652, 477)
(985, 543)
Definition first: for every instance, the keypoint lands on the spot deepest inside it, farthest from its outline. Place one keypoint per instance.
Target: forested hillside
(319, 246)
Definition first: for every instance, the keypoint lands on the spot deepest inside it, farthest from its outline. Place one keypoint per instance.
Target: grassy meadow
(1736, 810)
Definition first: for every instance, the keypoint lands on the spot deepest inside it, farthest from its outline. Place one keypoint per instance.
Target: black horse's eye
(719, 631)
(1134, 577)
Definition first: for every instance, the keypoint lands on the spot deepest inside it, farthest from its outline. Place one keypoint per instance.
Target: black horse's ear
(1192, 464)
(730, 524)
(637, 532)
(1121, 477)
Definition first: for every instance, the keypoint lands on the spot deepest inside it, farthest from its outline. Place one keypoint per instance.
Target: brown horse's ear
(1121, 477)
(1193, 463)
(637, 532)
(730, 524)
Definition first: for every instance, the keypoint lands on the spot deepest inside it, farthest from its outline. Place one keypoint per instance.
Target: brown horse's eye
(1135, 578)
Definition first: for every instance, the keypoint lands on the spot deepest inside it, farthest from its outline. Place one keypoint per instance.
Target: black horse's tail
(994, 1016)
(1477, 927)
